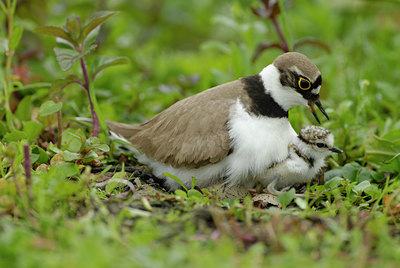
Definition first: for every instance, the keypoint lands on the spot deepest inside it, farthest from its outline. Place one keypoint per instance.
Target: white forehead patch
(316, 90)
(296, 70)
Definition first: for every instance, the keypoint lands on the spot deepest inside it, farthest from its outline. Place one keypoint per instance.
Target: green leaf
(13, 6)
(180, 193)
(194, 181)
(359, 188)
(94, 143)
(301, 203)
(350, 171)
(43, 156)
(368, 174)
(286, 197)
(102, 147)
(113, 184)
(23, 111)
(73, 26)
(71, 142)
(49, 107)
(332, 174)
(16, 37)
(66, 58)
(61, 83)
(392, 165)
(15, 135)
(393, 135)
(56, 32)
(97, 19)
(334, 182)
(175, 178)
(194, 193)
(128, 212)
(92, 155)
(3, 7)
(54, 149)
(32, 130)
(63, 170)
(34, 158)
(34, 86)
(106, 62)
(373, 191)
(69, 156)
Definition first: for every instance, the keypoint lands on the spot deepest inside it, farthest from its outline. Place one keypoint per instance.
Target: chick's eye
(304, 84)
(320, 145)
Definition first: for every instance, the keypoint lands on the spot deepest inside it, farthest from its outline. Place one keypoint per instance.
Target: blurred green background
(179, 48)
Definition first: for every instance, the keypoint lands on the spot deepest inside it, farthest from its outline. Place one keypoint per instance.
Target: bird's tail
(118, 130)
(125, 130)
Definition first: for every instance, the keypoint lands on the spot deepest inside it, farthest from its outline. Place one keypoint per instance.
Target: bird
(234, 130)
(305, 160)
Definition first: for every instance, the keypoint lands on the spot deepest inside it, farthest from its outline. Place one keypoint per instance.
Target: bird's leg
(285, 189)
(272, 190)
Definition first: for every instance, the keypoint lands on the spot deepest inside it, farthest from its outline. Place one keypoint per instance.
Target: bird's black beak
(335, 150)
(319, 105)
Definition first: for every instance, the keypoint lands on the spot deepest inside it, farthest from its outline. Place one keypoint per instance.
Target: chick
(306, 157)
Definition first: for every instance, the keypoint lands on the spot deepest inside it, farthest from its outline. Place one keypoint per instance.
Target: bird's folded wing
(191, 133)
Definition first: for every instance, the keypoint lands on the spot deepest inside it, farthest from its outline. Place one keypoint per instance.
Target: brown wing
(191, 133)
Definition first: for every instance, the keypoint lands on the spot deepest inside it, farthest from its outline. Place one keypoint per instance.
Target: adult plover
(235, 130)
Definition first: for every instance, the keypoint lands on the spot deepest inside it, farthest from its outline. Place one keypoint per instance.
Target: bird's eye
(320, 145)
(304, 84)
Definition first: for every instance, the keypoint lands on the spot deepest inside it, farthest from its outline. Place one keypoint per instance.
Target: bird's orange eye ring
(304, 84)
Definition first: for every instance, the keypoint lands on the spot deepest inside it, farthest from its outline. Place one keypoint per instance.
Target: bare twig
(270, 10)
(284, 44)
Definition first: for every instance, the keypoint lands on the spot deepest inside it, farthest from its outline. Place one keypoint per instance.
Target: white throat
(286, 97)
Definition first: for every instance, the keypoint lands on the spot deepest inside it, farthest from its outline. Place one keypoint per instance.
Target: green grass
(176, 49)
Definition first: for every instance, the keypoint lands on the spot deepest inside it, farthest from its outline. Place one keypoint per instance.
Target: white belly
(258, 143)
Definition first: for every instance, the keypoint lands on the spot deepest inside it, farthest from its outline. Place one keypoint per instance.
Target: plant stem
(60, 127)
(284, 45)
(28, 175)
(96, 126)
(9, 54)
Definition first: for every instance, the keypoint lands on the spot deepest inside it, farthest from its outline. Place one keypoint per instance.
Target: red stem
(285, 46)
(27, 163)
(28, 174)
(96, 126)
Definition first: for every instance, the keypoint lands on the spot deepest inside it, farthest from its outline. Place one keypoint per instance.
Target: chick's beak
(320, 107)
(335, 150)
